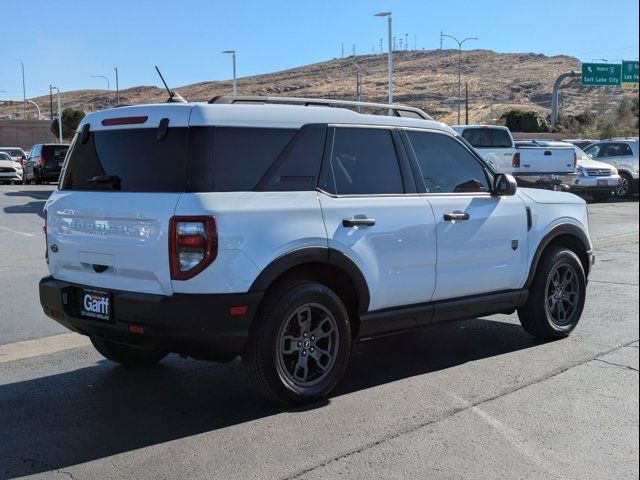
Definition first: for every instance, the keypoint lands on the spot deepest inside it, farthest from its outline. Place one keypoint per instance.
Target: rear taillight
(41, 160)
(193, 245)
(515, 163)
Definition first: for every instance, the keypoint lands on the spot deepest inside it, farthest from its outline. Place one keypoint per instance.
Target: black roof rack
(397, 110)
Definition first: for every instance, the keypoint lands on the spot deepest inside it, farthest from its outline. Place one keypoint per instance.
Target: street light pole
(108, 87)
(390, 54)
(235, 80)
(459, 68)
(59, 114)
(117, 87)
(24, 91)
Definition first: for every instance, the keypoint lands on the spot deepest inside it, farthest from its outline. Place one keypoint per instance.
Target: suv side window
(593, 150)
(363, 162)
(615, 150)
(446, 165)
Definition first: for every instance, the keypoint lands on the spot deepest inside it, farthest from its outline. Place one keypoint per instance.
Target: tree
(71, 118)
(521, 121)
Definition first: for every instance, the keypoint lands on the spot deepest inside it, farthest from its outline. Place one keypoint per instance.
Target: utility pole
(24, 91)
(466, 102)
(406, 41)
(59, 115)
(342, 51)
(51, 102)
(358, 95)
(459, 68)
(108, 87)
(441, 40)
(390, 55)
(381, 46)
(235, 79)
(117, 87)
(353, 49)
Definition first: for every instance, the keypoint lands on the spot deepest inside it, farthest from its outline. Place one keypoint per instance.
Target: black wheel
(300, 343)
(127, 355)
(37, 180)
(601, 196)
(625, 188)
(557, 295)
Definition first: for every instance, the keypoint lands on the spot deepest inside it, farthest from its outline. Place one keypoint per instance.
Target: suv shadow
(36, 206)
(101, 410)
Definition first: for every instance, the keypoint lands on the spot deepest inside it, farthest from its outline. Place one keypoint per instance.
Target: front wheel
(625, 187)
(557, 295)
(300, 344)
(127, 355)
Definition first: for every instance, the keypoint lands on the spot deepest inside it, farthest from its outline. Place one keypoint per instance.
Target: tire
(542, 315)
(285, 361)
(601, 196)
(126, 355)
(625, 189)
(37, 180)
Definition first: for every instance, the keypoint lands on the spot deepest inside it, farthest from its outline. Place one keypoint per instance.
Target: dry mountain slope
(427, 79)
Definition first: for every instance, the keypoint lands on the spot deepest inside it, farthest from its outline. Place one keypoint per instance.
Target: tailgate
(111, 240)
(540, 160)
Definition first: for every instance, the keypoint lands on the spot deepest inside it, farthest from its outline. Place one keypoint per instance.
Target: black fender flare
(329, 256)
(561, 229)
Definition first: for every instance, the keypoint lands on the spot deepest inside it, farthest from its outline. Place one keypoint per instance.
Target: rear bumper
(200, 326)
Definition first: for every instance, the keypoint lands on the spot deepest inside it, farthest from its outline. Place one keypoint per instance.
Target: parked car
(44, 162)
(16, 153)
(285, 233)
(622, 153)
(597, 179)
(10, 169)
(532, 166)
(581, 143)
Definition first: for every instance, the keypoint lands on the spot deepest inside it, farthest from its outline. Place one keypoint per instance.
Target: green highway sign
(601, 74)
(630, 74)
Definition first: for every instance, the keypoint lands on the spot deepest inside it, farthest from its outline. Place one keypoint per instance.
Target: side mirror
(504, 185)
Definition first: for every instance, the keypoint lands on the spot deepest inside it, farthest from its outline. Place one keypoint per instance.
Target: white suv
(622, 153)
(284, 233)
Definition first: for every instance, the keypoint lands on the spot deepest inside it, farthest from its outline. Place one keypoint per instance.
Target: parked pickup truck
(531, 165)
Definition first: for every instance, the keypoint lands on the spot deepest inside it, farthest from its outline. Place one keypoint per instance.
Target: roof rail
(398, 110)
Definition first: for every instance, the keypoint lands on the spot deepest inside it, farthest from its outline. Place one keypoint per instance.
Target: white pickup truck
(530, 165)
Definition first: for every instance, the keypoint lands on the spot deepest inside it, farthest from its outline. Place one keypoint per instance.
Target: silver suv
(622, 153)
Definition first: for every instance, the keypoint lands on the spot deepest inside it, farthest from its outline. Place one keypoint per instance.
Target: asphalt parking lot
(471, 399)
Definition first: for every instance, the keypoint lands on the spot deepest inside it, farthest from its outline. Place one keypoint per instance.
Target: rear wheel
(300, 344)
(625, 188)
(556, 297)
(37, 179)
(127, 355)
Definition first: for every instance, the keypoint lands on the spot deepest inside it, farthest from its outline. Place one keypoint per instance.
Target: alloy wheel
(562, 294)
(307, 345)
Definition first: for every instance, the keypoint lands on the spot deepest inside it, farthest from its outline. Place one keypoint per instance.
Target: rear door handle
(548, 153)
(450, 217)
(357, 222)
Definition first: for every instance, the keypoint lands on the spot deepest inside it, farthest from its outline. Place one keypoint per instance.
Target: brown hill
(427, 79)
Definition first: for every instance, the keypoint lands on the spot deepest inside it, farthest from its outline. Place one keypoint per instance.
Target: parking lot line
(41, 346)
(16, 231)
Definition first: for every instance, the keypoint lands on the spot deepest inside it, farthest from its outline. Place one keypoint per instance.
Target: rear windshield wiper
(112, 179)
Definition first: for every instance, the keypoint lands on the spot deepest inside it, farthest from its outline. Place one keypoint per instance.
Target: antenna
(440, 40)
(354, 49)
(173, 96)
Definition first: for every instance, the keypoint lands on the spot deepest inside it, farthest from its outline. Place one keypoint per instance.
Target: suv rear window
(128, 160)
(220, 159)
(54, 153)
(487, 137)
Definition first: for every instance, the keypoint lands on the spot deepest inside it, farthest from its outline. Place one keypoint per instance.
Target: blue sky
(66, 41)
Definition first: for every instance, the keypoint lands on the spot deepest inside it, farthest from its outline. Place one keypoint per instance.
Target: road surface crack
(50, 468)
(469, 406)
(616, 364)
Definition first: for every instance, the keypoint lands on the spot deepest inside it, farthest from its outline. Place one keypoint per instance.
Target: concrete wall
(25, 133)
